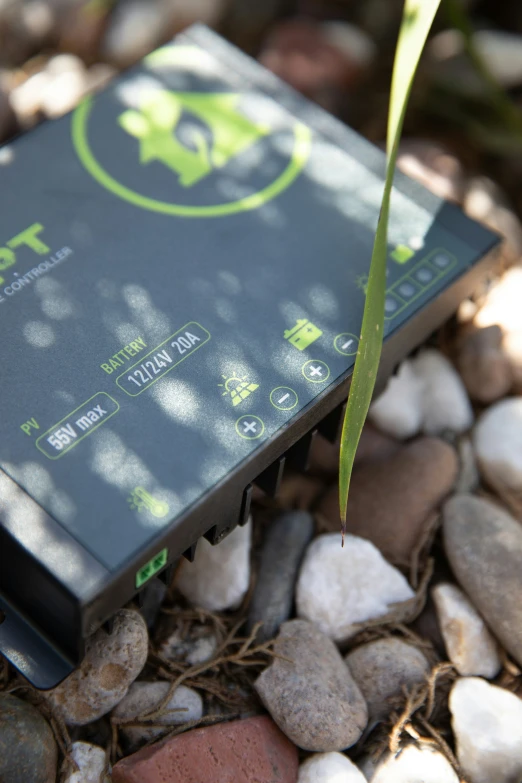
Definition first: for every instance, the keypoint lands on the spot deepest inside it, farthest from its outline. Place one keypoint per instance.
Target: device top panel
(183, 264)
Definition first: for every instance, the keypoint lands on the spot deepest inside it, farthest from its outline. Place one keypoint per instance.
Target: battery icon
(303, 334)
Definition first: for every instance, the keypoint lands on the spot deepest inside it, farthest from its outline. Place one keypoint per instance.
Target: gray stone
(382, 669)
(310, 692)
(184, 705)
(111, 664)
(469, 477)
(28, 752)
(487, 723)
(283, 550)
(484, 546)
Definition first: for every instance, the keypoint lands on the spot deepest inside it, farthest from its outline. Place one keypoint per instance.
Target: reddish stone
(253, 750)
(392, 499)
(300, 52)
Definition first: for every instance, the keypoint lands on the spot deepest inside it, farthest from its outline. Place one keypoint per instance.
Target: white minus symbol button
(283, 398)
(347, 345)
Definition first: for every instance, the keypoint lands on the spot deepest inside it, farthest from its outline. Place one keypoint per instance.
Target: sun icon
(237, 387)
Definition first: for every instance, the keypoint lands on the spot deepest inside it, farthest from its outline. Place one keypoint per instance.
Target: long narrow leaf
(417, 19)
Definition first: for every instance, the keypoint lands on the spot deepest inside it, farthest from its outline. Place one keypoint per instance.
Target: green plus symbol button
(346, 343)
(283, 398)
(250, 427)
(316, 371)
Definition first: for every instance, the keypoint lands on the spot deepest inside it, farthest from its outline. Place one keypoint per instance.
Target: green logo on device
(194, 137)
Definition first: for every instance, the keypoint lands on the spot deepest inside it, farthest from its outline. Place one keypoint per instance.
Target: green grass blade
(417, 19)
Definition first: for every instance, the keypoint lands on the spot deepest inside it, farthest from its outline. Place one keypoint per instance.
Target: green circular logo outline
(248, 416)
(300, 155)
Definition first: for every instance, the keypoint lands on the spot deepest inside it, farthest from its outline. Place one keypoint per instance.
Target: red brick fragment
(253, 750)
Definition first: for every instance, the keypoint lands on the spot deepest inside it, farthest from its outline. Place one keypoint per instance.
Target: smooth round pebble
(427, 395)
(135, 29)
(445, 401)
(111, 664)
(309, 691)
(496, 439)
(341, 588)
(470, 646)
(501, 53)
(483, 544)
(398, 410)
(432, 166)
(329, 768)
(28, 752)
(92, 762)
(383, 668)
(484, 366)
(415, 765)
(184, 705)
(487, 723)
(501, 306)
(486, 202)
(220, 575)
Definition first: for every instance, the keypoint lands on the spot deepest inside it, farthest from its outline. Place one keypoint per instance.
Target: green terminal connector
(151, 568)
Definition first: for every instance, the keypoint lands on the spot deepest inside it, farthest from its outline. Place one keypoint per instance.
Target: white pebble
(338, 588)
(329, 768)
(352, 42)
(484, 201)
(470, 646)
(496, 439)
(183, 706)
(501, 51)
(92, 763)
(445, 401)
(219, 576)
(63, 93)
(502, 303)
(487, 723)
(26, 98)
(398, 410)
(415, 765)
(195, 647)
(136, 27)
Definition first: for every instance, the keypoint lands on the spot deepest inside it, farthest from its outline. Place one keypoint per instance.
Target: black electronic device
(183, 267)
